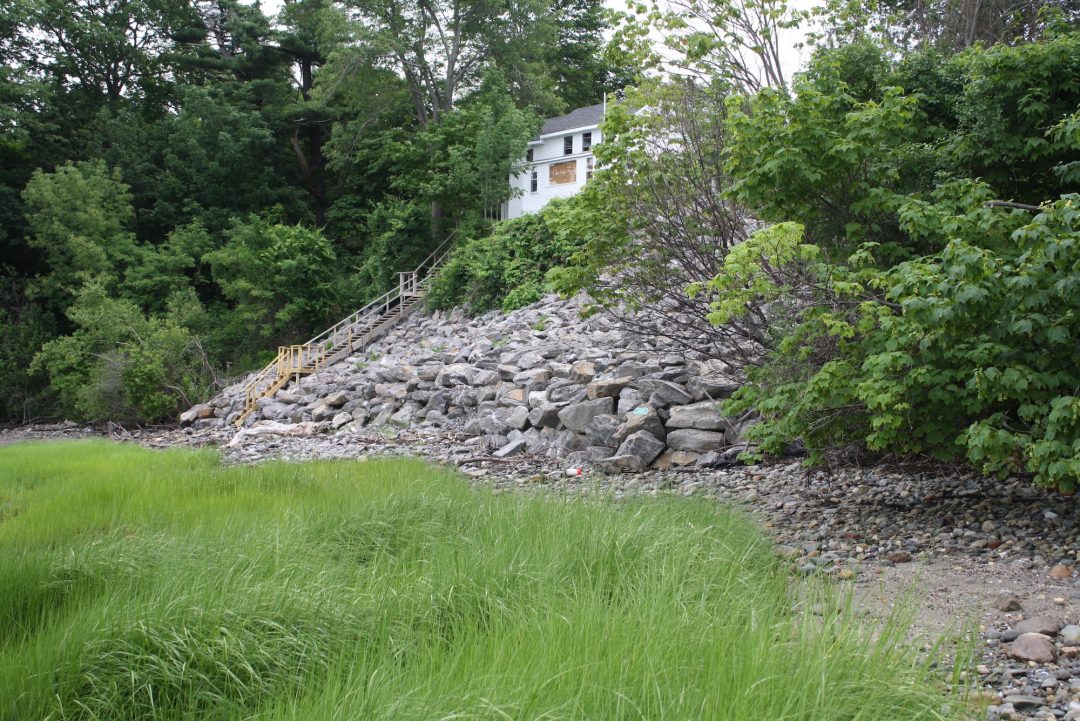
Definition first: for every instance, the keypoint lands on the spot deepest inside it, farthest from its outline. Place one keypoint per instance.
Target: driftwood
(304, 429)
(481, 459)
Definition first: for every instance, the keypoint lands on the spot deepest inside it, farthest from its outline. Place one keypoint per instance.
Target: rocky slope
(541, 380)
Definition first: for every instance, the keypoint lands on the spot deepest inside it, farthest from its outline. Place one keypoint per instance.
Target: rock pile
(541, 380)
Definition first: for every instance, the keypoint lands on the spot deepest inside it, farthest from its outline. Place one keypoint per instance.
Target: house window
(529, 155)
(568, 145)
(562, 173)
(586, 141)
(532, 181)
(588, 168)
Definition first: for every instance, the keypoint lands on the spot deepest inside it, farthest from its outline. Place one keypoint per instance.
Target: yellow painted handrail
(353, 331)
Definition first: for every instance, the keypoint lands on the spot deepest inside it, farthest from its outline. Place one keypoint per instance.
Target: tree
(279, 281)
(119, 364)
(928, 313)
(119, 50)
(438, 46)
(655, 220)
(552, 55)
(732, 43)
(24, 327)
(79, 217)
(947, 26)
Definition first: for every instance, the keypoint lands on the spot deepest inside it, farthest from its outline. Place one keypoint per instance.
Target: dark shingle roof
(580, 118)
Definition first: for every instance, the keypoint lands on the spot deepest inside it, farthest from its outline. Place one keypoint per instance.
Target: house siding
(547, 151)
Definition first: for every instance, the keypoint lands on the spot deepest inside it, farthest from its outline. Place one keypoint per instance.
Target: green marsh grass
(141, 585)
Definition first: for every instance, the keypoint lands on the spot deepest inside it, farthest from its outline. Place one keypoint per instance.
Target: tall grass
(148, 585)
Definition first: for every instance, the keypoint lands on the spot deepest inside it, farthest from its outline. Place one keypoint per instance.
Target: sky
(791, 57)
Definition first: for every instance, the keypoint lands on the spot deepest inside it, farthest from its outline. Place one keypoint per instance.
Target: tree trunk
(436, 222)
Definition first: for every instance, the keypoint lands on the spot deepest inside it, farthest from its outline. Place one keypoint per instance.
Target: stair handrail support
(308, 357)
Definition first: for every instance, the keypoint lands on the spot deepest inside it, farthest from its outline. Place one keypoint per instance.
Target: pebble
(1061, 570)
(1046, 625)
(1006, 602)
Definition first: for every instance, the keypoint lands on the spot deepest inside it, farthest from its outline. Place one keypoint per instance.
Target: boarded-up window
(562, 173)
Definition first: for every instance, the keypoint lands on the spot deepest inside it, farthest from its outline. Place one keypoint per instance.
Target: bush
(280, 280)
(504, 270)
(951, 330)
(119, 364)
(966, 353)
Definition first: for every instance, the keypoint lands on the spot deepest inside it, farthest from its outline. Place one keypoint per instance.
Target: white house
(558, 161)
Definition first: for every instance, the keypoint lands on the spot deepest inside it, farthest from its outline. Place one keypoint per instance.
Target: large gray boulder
(396, 391)
(601, 430)
(322, 412)
(513, 448)
(485, 377)
(492, 423)
(710, 388)
(275, 411)
(529, 360)
(691, 439)
(610, 388)
(510, 395)
(545, 416)
(642, 418)
(578, 416)
(704, 416)
(643, 446)
(518, 418)
(537, 399)
(566, 393)
(336, 400)
(636, 369)
(403, 417)
(567, 441)
(629, 399)
(195, 413)
(664, 393)
(465, 396)
(427, 373)
(582, 372)
(457, 374)
(533, 379)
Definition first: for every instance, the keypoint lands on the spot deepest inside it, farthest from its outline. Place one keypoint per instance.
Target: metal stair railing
(347, 335)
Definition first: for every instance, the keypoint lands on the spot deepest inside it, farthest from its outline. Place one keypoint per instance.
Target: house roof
(580, 118)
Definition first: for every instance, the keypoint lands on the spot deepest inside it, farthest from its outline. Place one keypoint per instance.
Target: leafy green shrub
(280, 280)
(951, 330)
(79, 216)
(861, 134)
(506, 269)
(969, 352)
(122, 365)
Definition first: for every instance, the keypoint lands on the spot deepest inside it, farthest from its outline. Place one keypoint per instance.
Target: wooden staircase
(350, 335)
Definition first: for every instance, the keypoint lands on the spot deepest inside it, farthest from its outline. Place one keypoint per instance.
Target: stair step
(370, 322)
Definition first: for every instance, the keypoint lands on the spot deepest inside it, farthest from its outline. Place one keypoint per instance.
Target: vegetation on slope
(912, 284)
(226, 181)
(507, 269)
(146, 585)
